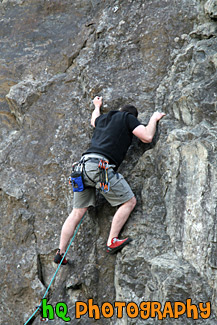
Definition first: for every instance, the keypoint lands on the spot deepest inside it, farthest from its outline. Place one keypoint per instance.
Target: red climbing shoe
(58, 258)
(117, 245)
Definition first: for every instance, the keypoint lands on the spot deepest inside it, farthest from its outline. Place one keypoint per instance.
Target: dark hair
(130, 109)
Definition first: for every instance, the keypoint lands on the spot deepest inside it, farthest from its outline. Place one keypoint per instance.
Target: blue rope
(56, 270)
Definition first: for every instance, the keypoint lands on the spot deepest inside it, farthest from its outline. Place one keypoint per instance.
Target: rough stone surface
(55, 57)
(211, 8)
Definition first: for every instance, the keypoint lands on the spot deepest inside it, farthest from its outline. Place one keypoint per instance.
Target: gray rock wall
(55, 57)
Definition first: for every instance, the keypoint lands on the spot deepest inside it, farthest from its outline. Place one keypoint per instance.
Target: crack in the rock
(72, 58)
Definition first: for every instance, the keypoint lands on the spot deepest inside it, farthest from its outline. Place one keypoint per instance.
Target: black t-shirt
(113, 135)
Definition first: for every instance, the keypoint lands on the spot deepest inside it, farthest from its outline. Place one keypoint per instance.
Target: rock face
(55, 57)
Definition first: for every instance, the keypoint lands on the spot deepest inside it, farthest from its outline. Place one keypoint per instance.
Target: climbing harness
(76, 178)
(39, 308)
(104, 182)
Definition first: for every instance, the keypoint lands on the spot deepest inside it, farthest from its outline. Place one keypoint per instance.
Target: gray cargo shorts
(119, 191)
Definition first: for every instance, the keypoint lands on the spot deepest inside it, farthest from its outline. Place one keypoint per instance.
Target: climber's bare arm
(97, 103)
(146, 133)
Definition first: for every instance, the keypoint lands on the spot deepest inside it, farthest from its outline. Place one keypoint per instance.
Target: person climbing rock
(113, 133)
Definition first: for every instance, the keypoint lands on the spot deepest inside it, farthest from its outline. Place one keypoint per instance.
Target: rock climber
(113, 133)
